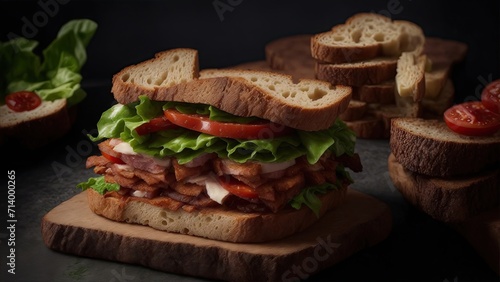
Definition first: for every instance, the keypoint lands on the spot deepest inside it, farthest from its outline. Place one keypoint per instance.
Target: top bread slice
(366, 36)
(307, 105)
(430, 148)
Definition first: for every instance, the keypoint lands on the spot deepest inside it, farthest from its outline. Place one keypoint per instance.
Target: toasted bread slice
(355, 111)
(35, 128)
(448, 200)
(277, 98)
(367, 36)
(429, 147)
(368, 127)
(267, 95)
(410, 77)
(214, 223)
(372, 71)
(382, 93)
(167, 68)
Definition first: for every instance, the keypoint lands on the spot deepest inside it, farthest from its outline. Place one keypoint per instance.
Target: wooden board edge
(214, 261)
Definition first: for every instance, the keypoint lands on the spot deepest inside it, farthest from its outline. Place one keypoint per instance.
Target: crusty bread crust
(214, 223)
(239, 97)
(429, 147)
(268, 95)
(358, 74)
(355, 111)
(36, 128)
(448, 200)
(366, 36)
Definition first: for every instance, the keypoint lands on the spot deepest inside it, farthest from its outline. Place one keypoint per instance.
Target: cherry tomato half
(155, 125)
(22, 101)
(490, 96)
(237, 187)
(265, 130)
(472, 118)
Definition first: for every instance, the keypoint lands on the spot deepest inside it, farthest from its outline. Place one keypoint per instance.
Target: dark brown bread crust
(236, 96)
(339, 54)
(448, 200)
(357, 76)
(439, 156)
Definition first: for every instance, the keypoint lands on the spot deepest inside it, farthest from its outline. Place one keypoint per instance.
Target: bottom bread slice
(450, 199)
(214, 223)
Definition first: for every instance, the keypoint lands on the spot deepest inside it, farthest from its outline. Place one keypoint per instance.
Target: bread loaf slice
(355, 110)
(382, 93)
(447, 200)
(267, 95)
(366, 36)
(166, 69)
(357, 74)
(368, 127)
(410, 77)
(429, 147)
(277, 98)
(214, 223)
(35, 128)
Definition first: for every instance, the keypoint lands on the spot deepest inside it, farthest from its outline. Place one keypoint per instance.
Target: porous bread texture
(267, 95)
(372, 71)
(448, 200)
(36, 128)
(273, 96)
(365, 36)
(9, 118)
(429, 147)
(410, 77)
(308, 94)
(214, 223)
(166, 69)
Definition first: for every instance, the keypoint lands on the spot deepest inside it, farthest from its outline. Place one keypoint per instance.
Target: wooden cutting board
(360, 222)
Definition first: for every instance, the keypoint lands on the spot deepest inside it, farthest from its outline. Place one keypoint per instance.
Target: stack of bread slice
(394, 70)
(452, 178)
(390, 76)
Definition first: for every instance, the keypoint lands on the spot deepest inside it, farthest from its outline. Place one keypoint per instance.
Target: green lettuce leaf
(120, 121)
(309, 197)
(58, 75)
(98, 184)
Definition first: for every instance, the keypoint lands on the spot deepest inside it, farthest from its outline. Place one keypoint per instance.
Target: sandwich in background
(39, 95)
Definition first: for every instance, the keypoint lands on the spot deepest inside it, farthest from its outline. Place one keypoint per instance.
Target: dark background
(418, 249)
(237, 30)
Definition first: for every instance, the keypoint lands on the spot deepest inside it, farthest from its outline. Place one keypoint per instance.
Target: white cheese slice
(139, 194)
(124, 148)
(214, 190)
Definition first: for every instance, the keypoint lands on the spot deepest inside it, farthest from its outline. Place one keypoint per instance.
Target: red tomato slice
(155, 125)
(237, 187)
(265, 130)
(23, 101)
(112, 159)
(490, 96)
(472, 118)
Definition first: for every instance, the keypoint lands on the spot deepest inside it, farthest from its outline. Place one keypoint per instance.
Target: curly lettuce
(58, 75)
(120, 121)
